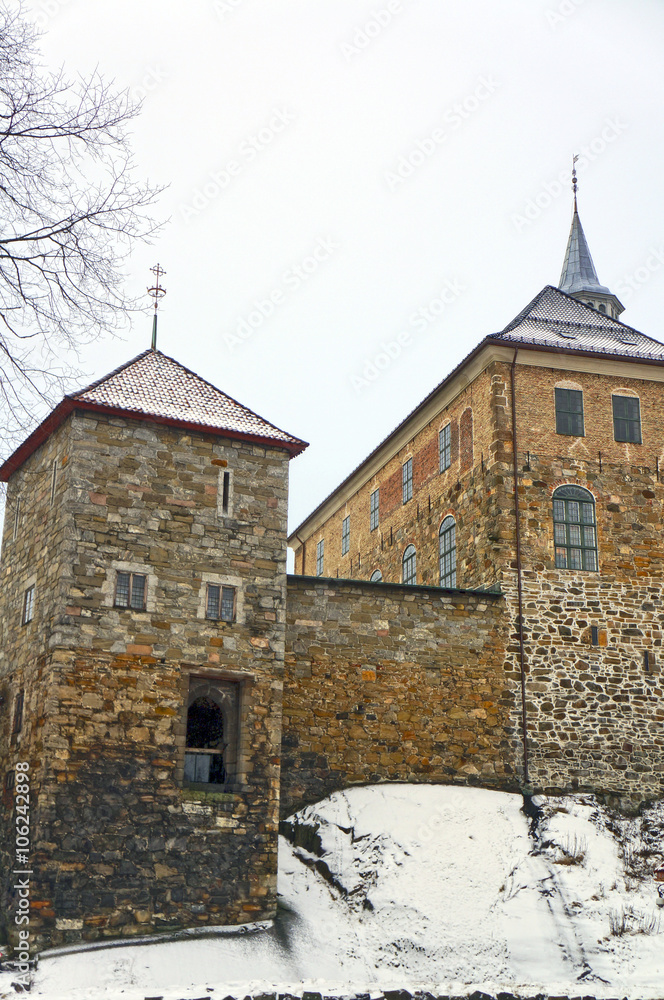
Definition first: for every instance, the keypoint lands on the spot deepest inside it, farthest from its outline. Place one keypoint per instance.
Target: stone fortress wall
(119, 846)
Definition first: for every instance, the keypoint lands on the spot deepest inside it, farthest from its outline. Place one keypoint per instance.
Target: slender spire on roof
(157, 292)
(579, 277)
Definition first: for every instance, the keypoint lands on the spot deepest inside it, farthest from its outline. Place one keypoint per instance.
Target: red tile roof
(155, 387)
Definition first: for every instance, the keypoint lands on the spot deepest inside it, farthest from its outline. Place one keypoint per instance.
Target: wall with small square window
(221, 598)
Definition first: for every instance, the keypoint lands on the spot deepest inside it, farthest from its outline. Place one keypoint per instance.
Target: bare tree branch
(70, 210)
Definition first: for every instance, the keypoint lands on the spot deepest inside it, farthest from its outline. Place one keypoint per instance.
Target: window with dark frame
(28, 605)
(574, 529)
(212, 734)
(447, 556)
(17, 722)
(220, 604)
(130, 591)
(569, 412)
(649, 661)
(374, 510)
(407, 480)
(345, 535)
(320, 557)
(445, 448)
(205, 735)
(410, 565)
(225, 492)
(626, 419)
(376, 577)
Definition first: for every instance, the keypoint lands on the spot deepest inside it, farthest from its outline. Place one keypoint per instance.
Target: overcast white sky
(338, 166)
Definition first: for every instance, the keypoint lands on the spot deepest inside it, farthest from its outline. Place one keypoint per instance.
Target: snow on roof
(157, 387)
(555, 319)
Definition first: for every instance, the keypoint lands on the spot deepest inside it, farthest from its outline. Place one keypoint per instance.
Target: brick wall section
(121, 847)
(455, 491)
(392, 683)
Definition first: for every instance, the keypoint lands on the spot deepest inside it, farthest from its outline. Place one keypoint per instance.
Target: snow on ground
(422, 886)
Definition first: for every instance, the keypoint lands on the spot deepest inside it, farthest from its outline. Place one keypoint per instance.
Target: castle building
(478, 602)
(534, 470)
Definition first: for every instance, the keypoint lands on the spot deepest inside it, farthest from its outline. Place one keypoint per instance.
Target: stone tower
(142, 610)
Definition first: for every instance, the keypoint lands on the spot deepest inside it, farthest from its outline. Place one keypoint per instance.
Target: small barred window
(130, 591)
(220, 605)
(320, 557)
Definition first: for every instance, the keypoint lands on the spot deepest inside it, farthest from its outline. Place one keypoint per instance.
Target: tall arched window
(574, 528)
(410, 565)
(205, 745)
(447, 552)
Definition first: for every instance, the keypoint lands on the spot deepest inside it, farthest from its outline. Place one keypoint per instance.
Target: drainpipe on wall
(303, 544)
(522, 655)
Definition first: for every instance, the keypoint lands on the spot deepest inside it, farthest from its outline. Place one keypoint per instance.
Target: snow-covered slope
(443, 888)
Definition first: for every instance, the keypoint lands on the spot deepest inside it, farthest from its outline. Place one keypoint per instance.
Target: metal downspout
(522, 655)
(304, 551)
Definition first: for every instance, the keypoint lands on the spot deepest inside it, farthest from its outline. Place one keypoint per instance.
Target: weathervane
(157, 292)
(574, 183)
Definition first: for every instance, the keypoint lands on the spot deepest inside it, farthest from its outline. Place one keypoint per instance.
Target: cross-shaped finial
(157, 292)
(574, 182)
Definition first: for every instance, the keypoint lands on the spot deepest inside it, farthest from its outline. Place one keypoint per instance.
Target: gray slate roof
(555, 319)
(579, 274)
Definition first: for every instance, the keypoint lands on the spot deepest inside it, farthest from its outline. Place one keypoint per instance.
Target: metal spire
(579, 277)
(157, 292)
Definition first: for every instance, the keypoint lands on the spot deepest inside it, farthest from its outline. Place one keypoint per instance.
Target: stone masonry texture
(392, 683)
(119, 846)
(336, 681)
